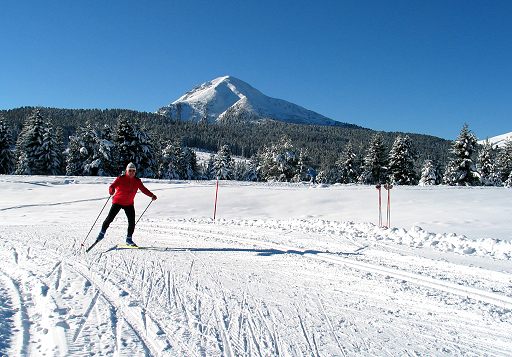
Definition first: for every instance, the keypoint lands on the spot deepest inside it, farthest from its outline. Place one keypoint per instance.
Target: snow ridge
(498, 140)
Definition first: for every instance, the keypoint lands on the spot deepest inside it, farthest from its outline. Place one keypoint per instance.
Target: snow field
(259, 281)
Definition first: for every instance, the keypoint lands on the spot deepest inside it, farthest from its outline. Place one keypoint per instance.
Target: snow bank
(415, 237)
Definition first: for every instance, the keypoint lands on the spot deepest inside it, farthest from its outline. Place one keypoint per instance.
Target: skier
(124, 189)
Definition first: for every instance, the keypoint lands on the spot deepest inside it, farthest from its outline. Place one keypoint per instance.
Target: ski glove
(154, 197)
(111, 191)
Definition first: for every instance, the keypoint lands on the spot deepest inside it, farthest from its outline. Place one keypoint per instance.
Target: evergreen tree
(59, 139)
(428, 174)
(346, 167)
(375, 162)
(401, 162)
(303, 171)
(74, 165)
(105, 156)
(486, 165)
(239, 170)
(329, 174)
(461, 169)
(172, 162)
(278, 162)
(82, 152)
(91, 152)
(51, 155)
(6, 154)
(125, 142)
(324, 177)
(508, 183)
(207, 170)
(223, 164)
(251, 173)
(190, 164)
(145, 159)
(29, 149)
(505, 160)
(134, 145)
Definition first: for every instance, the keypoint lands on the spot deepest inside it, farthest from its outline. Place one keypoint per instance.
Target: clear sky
(415, 66)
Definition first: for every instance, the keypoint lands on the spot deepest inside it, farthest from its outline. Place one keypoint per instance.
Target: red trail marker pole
(215, 205)
(378, 187)
(388, 187)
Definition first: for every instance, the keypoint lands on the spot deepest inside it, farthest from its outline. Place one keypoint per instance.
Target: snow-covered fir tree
(82, 152)
(76, 155)
(207, 168)
(246, 170)
(375, 168)
(146, 160)
(278, 162)
(250, 172)
(505, 160)
(401, 162)
(106, 155)
(461, 170)
(51, 152)
(172, 162)
(190, 164)
(346, 167)
(303, 171)
(239, 170)
(508, 182)
(428, 174)
(487, 165)
(134, 145)
(6, 153)
(325, 176)
(223, 164)
(59, 138)
(29, 146)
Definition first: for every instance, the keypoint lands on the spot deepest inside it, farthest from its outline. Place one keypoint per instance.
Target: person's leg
(114, 210)
(130, 214)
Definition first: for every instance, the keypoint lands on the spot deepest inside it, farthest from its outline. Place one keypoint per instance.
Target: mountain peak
(228, 97)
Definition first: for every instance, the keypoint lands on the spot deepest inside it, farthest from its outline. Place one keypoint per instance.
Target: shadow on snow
(260, 252)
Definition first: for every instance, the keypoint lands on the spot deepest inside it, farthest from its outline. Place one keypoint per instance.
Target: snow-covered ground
(499, 140)
(289, 270)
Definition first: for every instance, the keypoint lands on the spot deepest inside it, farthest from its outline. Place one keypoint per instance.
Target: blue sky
(414, 66)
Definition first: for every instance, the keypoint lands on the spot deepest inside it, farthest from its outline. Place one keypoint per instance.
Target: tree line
(96, 142)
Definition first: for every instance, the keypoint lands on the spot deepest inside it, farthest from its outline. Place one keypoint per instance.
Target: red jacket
(125, 189)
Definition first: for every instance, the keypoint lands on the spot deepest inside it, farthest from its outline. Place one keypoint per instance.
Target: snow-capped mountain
(498, 140)
(228, 97)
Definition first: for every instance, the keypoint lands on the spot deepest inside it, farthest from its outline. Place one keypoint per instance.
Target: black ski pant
(114, 210)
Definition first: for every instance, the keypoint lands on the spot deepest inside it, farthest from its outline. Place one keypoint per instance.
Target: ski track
(484, 296)
(195, 305)
(13, 318)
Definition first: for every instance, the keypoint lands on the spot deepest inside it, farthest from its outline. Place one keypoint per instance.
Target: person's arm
(112, 187)
(146, 191)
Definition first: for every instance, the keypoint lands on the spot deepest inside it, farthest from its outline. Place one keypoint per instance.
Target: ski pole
(95, 221)
(144, 212)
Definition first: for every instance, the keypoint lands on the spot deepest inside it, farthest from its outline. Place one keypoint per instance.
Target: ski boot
(130, 242)
(101, 235)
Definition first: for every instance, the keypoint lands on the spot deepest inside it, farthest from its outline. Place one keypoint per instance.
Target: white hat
(131, 165)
